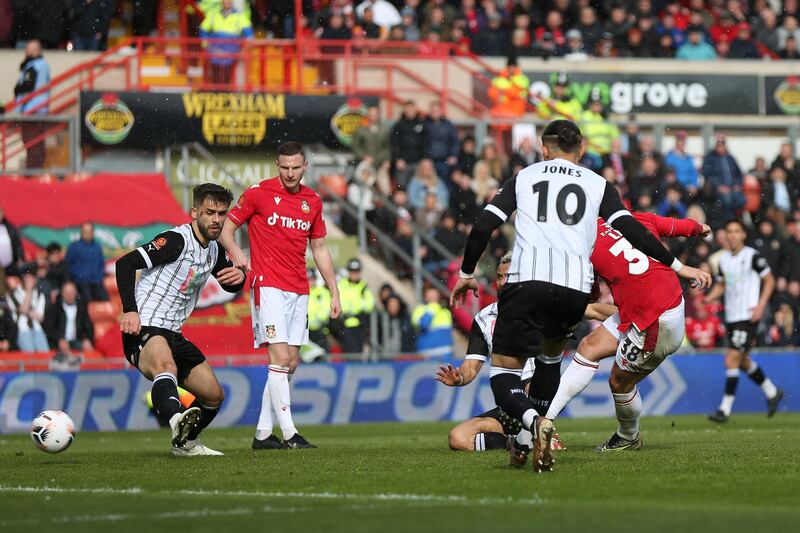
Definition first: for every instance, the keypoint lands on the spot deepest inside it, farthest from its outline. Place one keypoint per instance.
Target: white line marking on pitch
(398, 497)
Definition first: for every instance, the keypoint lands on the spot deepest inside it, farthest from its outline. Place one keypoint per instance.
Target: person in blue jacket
(34, 73)
(87, 265)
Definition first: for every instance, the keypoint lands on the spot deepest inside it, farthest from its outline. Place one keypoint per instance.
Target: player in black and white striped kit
(550, 278)
(175, 265)
(747, 282)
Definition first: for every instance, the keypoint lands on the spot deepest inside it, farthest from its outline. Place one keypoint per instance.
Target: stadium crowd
(685, 29)
(438, 180)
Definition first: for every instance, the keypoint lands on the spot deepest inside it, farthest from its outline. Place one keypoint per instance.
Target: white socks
(577, 377)
(278, 384)
(264, 427)
(727, 404)
(629, 409)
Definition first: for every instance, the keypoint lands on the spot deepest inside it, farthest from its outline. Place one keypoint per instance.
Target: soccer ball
(52, 431)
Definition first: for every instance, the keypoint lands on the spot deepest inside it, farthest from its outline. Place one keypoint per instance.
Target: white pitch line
(380, 497)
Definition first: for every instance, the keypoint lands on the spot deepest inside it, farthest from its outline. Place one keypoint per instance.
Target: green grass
(691, 475)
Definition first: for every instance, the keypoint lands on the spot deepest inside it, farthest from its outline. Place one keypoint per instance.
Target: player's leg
(598, 345)
(773, 394)
(209, 396)
(478, 434)
(628, 407)
(269, 328)
(733, 361)
(155, 361)
(292, 438)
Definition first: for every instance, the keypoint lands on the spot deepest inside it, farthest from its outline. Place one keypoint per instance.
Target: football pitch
(691, 475)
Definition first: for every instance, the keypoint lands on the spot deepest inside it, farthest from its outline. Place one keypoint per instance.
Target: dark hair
(53, 247)
(563, 133)
(216, 192)
(736, 221)
(291, 148)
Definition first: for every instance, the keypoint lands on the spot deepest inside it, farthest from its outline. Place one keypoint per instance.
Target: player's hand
(240, 260)
(230, 276)
(450, 376)
(706, 230)
(336, 307)
(758, 312)
(700, 280)
(130, 323)
(459, 294)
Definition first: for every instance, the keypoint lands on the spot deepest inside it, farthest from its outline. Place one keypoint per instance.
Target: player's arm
(612, 209)
(680, 227)
(230, 278)
(245, 208)
(767, 286)
(717, 290)
(494, 215)
(477, 353)
(599, 311)
(165, 248)
(322, 257)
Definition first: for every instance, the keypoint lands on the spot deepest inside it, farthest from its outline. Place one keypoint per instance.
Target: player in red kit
(283, 217)
(648, 327)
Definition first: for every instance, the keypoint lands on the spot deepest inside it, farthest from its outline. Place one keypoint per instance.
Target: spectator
(786, 160)
(696, 48)
(524, 157)
(777, 192)
(646, 182)
(463, 200)
(665, 48)
(597, 130)
(385, 14)
(8, 328)
(672, 205)
(87, 266)
(790, 49)
(319, 308)
(467, 155)
(34, 75)
(11, 251)
(227, 23)
(395, 333)
(788, 29)
(409, 141)
(372, 143)
(770, 245)
(474, 17)
(449, 236)
(618, 25)
(438, 12)
(409, 25)
(492, 41)
(68, 324)
(427, 216)
(336, 30)
(368, 28)
(521, 44)
(491, 156)
(766, 30)
(725, 29)
(724, 177)
(90, 21)
(683, 164)
(590, 28)
(27, 305)
(617, 161)
(358, 303)
(743, 46)
(434, 325)
(443, 141)
(575, 49)
(637, 47)
(56, 270)
(483, 181)
(723, 47)
(704, 329)
(669, 27)
(783, 330)
(424, 182)
(361, 193)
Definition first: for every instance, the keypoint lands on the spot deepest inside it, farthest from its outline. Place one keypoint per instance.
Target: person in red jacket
(705, 329)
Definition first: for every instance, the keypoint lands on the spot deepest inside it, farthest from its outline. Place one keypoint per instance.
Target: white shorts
(631, 353)
(278, 316)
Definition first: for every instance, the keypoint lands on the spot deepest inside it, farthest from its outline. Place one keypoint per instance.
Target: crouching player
(490, 430)
(649, 326)
(175, 266)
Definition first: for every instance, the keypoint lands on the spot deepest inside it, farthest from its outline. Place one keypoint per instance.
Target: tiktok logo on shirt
(288, 222)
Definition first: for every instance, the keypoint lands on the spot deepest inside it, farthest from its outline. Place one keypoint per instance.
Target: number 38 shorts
(278, 316)
(642, 351)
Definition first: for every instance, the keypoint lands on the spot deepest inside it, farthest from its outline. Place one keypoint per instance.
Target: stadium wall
(385, 392)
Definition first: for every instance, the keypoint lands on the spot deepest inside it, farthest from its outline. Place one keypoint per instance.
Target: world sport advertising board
(382, 392)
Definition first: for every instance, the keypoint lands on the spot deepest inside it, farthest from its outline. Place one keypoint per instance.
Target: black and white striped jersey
(479, 346)
(177, 268)
(557, 204)
(742, 274)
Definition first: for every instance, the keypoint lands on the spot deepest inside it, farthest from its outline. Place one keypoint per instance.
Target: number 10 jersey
(557, 204)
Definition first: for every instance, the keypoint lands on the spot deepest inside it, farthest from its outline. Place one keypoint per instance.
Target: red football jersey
(704, 333)
(279, 224)
(642, 287)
